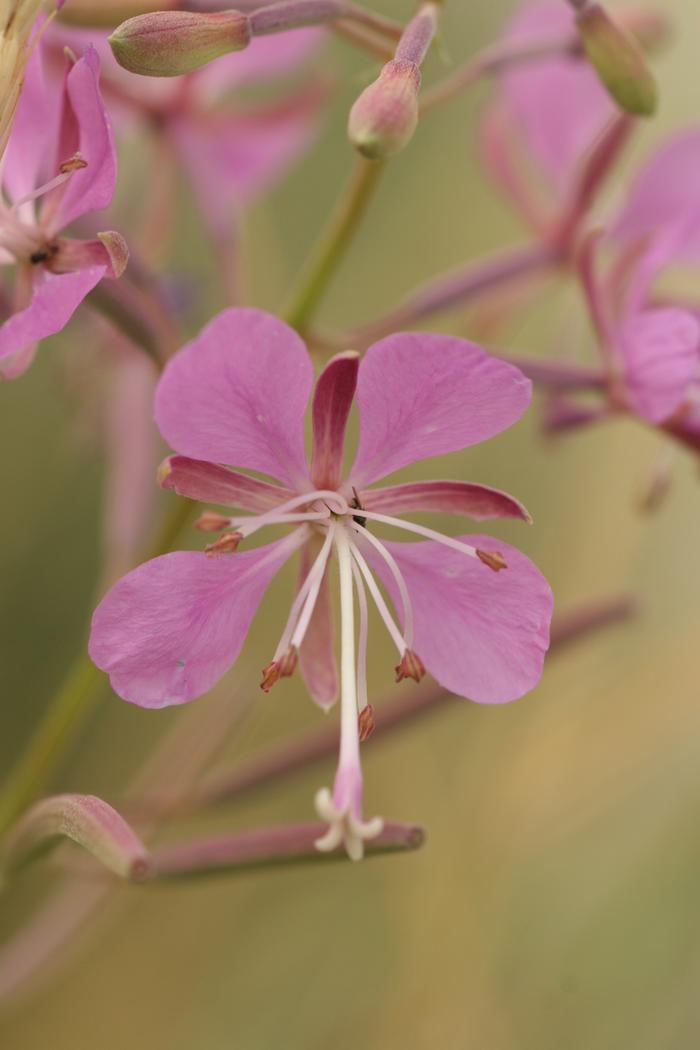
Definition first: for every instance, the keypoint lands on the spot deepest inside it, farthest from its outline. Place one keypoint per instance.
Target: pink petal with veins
(237, 394)
(422, 395)
(210, 483)
(481, 634)
(169, 630)
(54, 300)
(444, 497)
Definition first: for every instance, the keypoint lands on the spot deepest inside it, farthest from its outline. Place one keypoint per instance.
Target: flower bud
(384, 117)
(170, 43)
(618, 60)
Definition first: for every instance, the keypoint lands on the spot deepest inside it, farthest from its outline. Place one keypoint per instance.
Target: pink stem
(266, 847)
(461, 287)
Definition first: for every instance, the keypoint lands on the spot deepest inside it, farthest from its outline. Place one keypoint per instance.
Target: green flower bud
(618, 60)
(170, 43)
(384, 117)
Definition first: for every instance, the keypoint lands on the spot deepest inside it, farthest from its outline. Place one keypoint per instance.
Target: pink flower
(652, 351)
(238, 393)
(59, 165)
(231, 153)
(664, 199)
(546, 119)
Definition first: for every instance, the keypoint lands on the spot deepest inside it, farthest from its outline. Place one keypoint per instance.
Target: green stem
(71, 706)
(334, 241)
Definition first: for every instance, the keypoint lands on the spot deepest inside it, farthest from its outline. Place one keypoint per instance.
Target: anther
(226, 544)
(282, 668)
(365, 723)
(210, 521)
(74, 163)
(494, 559)
(411, 666)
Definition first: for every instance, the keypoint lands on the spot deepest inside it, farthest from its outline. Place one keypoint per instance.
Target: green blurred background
(554, 903)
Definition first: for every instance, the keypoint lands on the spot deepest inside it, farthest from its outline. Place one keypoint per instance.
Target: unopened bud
(617, 59)
(170, 43)
(210, 521)
(226, 544)
(411, 666)
(365, 723)
(494, 559)
(282, 668)
(384, 117)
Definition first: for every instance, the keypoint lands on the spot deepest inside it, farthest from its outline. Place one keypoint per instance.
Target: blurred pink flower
(546, 119)
(238, 393)
(60, 164)
(664, 199)
(231, 153)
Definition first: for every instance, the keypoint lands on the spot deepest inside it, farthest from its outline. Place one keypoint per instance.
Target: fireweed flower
(231, 153)
(59, 165)
(545, 119)
(650, 349)
(237, 394)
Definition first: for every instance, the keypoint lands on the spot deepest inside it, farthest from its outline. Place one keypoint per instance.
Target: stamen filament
(396, 573)
(421, 530)
(314, 580)
(362, 639)
(386, 616)
(250, 524)
(299, 600)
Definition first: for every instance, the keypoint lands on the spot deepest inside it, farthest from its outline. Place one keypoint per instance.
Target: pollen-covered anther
(210, 521)
(494, 559)
(366, 723)
(226, 544)
(411, 666)
(282, 668)
(74, 163)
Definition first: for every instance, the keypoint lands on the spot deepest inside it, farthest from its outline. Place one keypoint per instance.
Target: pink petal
(31, 145)
(210, 483)
(53, 303)
(237, 394)
(169, 630)
(665, 193)
(88, 129)
(423, 395)
(335, 389)
(265, 60)
(317, 653)
(445, 497)
(481, 634)
(661, 349)
(233, 159)
(556, 104)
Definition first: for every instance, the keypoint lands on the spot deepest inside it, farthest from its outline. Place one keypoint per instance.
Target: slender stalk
(334, 241)
(71, 706)
(460, 287)
(269, 847)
